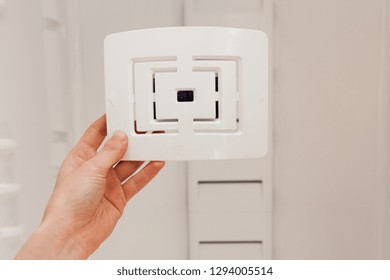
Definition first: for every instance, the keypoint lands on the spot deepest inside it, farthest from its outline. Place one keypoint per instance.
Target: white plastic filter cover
(188, 93)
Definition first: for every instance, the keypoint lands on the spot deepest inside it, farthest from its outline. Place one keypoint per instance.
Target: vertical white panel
(252, 14)
(230, 203)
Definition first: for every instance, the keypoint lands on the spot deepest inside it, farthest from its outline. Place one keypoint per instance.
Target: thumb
(112, 152)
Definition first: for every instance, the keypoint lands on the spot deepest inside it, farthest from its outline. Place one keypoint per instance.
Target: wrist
(52, 242)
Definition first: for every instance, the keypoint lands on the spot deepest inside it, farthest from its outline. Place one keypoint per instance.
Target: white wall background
(328, 191)
(330, 117)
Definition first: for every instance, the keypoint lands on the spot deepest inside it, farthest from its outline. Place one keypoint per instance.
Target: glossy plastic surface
(205, 87)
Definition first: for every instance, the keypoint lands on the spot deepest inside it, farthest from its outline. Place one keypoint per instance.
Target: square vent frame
(220, 73)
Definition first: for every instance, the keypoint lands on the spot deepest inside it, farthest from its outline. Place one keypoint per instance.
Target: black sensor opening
(185, 96)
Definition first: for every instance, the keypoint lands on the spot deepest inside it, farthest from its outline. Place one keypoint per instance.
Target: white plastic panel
(194, 83)
(231, 251)
(230, 211)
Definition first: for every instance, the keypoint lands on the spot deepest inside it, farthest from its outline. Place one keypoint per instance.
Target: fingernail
(119, 135)
(160, 163)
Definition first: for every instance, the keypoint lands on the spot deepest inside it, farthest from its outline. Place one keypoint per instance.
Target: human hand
(89, 197)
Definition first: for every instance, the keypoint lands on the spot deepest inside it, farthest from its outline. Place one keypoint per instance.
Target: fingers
(86, 147)
(112, 152)
(139, 180)
(125, 169)
(95, 134)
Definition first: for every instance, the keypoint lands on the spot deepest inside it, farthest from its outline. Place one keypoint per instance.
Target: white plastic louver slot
(205, 87)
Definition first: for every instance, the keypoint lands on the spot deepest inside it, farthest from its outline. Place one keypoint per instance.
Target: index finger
(95, 134)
